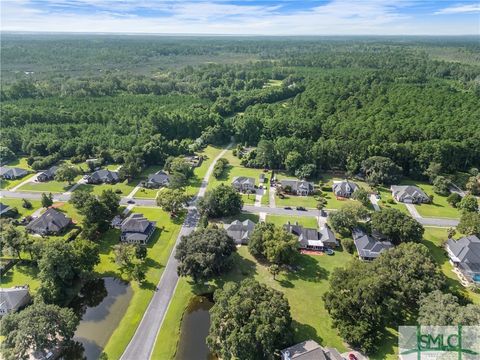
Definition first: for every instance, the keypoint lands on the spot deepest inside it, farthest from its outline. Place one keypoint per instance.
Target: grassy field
(387, 195)
(278, 220)
(49, 186)
(293, 201)
(17, 203)
(433, 239)
(124, 187)
(439, 208)
(159, 250)
(8, 184)
(21, 163)
(21, 274)
(303, 289)
(143, 193)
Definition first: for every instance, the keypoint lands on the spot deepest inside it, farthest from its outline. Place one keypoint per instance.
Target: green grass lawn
(433, 239)
(303, 289)
(124, 187)
(8, 184)
(17, 203)
(21, 163)
(439, 208)
(143, 193)
(279, 220)
(294, 201)
(21, 274)
(386, 195)
(159, 250)
(49, 186)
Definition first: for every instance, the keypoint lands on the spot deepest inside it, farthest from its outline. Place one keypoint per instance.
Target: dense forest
(309, 104)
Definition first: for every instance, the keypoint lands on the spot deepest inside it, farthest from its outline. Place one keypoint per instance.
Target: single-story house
(243, 183)
(261, 178)
(240, 231)
(103, 176)
(344, 189)
(12, 173)
(409, 194)
(194, 160)
(51, 222)
(47, 174)
(136, 229)
(310, 350)
(297, 187)
(4, 209)
(368, 246)
(157, 180)
(465, 255)
(12, 299)
(312, 239)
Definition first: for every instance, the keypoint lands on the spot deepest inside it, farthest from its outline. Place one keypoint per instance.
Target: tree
(434, 169)
(439, 309)
(179, 165)
(66, 173)
(469, 203)
(451, 232)
(381, 170)
(469, 223)
(293, 161)
(273, 243)
(397, 226)
(172, 200)
(220, 167)
(6, 154)
(249, 321)
(473, 185)
(306, 171)
(363, 196)
(177, 181)
(130, 263)
(14, 239)
(36, 328)
(347, 217)
(453, 199)
(220, 202)
(132, 167)
(111, 201)
(47, 200)
(266, 154)
(321, 203)
(441, 185)
(26, 204)
(274, 269)
(204, 253)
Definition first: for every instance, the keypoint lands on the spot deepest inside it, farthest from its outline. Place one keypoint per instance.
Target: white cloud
(459, 9)
(337, 17)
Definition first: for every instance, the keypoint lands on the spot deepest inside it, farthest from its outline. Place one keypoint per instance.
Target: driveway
(413, 210)
(374, 201)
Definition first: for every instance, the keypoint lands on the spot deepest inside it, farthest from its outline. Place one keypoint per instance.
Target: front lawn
(17, 203)
(280, 220)
(159, 250)
(439, 208)
(387, 201)
(122, 188)
(8, 184)
(303, 289)
(21, 163)
(294, 201)
(49, 186)
(144, 193)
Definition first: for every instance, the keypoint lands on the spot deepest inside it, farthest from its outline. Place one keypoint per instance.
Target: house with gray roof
(51, 222)
(409, 194)
(4, 209)
(12, 173)
(244, 184)
(103, 176)
(194, 160)
(369, 247)
(344, 189)
(312, 239)
(240, 231)
(13, 299)
(310, 350)
(157, 180)
(297, 187)
(464, 254)
(136, 229)
(47, 174)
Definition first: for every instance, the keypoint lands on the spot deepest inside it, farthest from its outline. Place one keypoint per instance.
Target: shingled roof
(50, 222)
(467, 251)
(367, 246)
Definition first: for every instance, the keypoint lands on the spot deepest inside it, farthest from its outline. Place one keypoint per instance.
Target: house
(12, 173)
(312, 239)
(344, 189)
(464, 254)
(12, 299)
(51, 222)
(244, 184)
(136, 229)
(240, 231)
(103, 176)
(310, 350)
(194, 160)
(157, 180)
(47, 174)
(369, 247)
(261, 178)
(4, 209)
(297, 187)
(409, 194)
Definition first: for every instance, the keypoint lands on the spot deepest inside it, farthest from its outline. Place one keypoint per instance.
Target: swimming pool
(476, 278)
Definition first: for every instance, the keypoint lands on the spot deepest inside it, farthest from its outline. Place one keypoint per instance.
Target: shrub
(348, 245)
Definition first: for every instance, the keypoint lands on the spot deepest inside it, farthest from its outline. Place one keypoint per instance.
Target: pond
(101, 304)
(194, 331)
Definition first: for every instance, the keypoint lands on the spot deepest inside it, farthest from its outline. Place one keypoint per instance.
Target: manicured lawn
(8, 184)
(143, 193)
(113, 167)
(159, 250)
(293, 201)
(439, 208)
(433, 239)
(306, 221)
(20, 163)
(303, 289)
(386, 196)
(125, 187)
(248, 199)
(21, 274)
(14, 202)
(49, 186)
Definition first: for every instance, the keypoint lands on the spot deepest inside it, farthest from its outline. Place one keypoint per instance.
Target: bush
(26, 204)
(453, 199)
(118, 191)
(73, 234)
(348, 245)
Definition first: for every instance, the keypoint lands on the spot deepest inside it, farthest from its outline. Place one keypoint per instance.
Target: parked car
(352, 357)
(130, 202)
(287, 208)
(301, 208)
(329, 251)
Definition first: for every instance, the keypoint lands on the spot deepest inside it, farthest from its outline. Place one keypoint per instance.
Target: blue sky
(262, 17)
